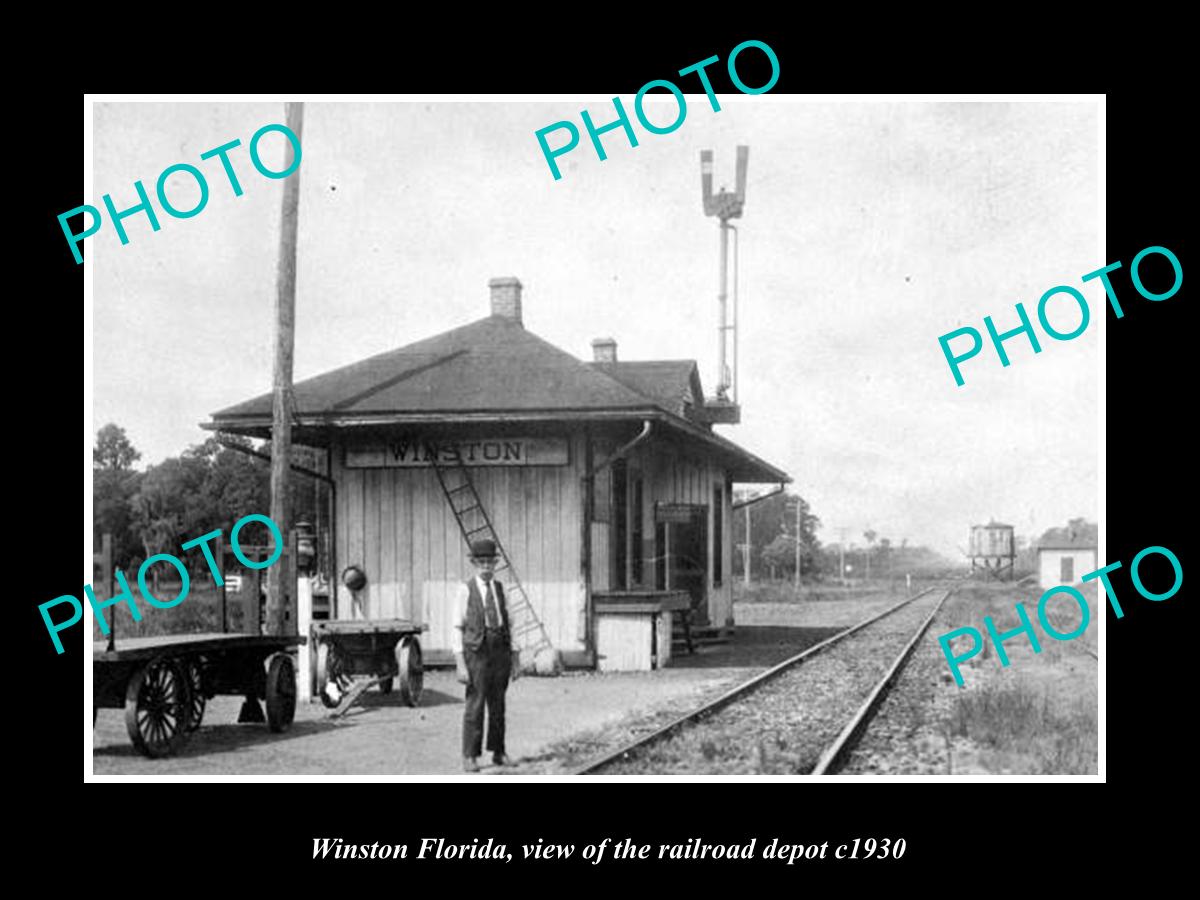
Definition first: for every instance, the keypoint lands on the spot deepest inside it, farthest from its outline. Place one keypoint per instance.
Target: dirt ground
(381, 737)
(1036, 716)
(554, 724)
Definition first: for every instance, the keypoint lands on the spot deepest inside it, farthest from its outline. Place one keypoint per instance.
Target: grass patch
(1028, 728)
(785, 591)
(199, 612)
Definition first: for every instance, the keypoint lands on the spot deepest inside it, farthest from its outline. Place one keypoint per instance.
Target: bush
(1014, 718)
(199, 612)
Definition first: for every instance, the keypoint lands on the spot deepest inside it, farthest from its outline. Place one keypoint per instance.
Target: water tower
(992, 550)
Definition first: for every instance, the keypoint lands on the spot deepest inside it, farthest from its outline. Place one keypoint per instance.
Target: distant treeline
(773, 531)
(1078, 530)
(208, 486)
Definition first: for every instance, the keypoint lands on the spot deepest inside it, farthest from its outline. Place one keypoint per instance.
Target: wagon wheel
(325, 659)
(195, 675)
(387, 685)
(408, 660)
(158, 701)
(281, 692)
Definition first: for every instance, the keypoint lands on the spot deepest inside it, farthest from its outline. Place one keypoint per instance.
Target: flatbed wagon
(386, 651)
(163, 683)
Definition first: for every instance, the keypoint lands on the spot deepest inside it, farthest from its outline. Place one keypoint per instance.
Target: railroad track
(1065, 625)
(778, 688)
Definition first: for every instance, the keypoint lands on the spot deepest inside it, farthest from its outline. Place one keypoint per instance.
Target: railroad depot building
(603, 481)
(1066, 560)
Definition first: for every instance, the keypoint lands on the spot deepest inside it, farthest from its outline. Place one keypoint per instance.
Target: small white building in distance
(1065, 561)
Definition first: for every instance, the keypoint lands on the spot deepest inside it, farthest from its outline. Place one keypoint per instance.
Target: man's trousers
(489, 669)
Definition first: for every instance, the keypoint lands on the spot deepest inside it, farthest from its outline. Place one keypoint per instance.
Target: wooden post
(291, 575)
(304, 624)
(798, 506)
(746, 555)
(281, 412)
(219, 554)
(106, 561)
(585, 557)
(251, 594)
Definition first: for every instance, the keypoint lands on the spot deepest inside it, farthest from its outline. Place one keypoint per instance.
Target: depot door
(688, 560)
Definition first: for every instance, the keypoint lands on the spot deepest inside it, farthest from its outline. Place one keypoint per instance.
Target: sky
(870, 229)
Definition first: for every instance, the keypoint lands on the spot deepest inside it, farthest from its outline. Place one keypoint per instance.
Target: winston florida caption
(490, 850)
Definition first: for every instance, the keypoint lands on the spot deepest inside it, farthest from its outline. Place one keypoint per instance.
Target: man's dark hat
(483, 549)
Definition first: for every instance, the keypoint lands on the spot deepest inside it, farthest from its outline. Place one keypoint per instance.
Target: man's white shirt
(459, 613)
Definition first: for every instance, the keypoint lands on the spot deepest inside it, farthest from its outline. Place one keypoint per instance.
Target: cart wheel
(324, 675)
(195, 676)
(157, 707)
(408, 659)
(281, 692)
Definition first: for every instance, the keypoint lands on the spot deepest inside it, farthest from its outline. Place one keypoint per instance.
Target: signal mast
(725, 205)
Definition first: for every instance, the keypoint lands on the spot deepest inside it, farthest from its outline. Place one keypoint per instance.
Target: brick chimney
(506, 298)
(604, 350)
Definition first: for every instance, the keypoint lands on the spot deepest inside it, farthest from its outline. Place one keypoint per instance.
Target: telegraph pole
(746, 557)
(798, 506)
(281, 404)
(842, 556)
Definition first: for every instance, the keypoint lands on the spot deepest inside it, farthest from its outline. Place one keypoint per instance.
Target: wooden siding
(623, 642)
(671, 477)
(395, 524)
(664, 638)
(1050, 565)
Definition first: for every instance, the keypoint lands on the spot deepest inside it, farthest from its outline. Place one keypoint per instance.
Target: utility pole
(281, 405)
(842, 555)
(746, 556)
(799, 504)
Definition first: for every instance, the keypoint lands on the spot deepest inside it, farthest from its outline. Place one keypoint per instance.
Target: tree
(113, 450)
(870, 537)
(114, 484)
(771, 519)
(780, 553)
(1078, 529)
(210, 487)
(170, 502)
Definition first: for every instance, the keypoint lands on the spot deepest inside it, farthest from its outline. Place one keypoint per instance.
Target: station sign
(422, 453)
(677, 512)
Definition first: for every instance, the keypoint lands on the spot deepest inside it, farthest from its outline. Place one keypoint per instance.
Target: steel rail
(739, 691)
(835, 754)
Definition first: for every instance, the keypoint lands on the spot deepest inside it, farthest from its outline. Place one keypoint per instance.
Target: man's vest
(476, 619)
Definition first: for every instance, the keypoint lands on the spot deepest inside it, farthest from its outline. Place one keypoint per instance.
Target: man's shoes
(469, 764)
(501, 759)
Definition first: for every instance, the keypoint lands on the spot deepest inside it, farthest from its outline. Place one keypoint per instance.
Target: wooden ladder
(528, 632)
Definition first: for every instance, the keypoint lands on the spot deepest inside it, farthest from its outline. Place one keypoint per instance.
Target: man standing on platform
(484, 656)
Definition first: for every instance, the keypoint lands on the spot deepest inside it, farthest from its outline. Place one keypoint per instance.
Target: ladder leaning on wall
(528, 632)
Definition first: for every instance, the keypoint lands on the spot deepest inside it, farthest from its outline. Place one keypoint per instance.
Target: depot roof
(493, 370)
(1067, 544)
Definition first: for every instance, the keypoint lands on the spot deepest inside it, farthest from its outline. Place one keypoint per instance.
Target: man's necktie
(493, 617)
